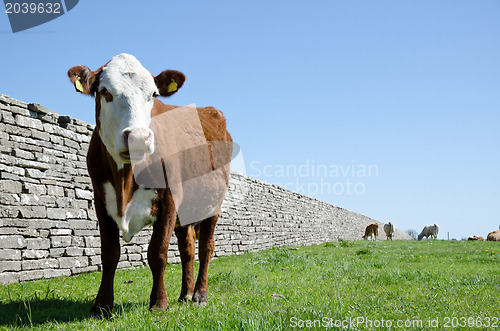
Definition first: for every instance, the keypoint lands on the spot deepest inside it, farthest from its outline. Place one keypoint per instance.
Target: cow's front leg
(110, 255)
(205, 253)
(186, 237)
(157, 257)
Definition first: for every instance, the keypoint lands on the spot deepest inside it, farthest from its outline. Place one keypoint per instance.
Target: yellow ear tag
(78, 84)
(172, 87)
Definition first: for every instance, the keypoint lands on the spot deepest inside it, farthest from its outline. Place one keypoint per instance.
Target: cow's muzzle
(137, 143)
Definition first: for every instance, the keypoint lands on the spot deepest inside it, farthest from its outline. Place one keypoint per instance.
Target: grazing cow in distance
(371, 230)
(153, 164)
(389, 230)
(430, 230)
(493, 236)
(475, 238)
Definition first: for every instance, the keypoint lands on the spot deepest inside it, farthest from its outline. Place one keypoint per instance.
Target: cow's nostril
(149, 138)
(125, 136)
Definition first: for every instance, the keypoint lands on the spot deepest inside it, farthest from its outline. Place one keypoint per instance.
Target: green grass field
(420, 285)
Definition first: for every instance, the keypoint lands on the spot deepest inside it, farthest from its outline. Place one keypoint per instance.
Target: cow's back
(212, 120)
(388, 228)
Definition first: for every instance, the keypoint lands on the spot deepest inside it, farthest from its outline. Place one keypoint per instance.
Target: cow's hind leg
(110, 255)
(205, 253)
(186, 237)
(157, 259)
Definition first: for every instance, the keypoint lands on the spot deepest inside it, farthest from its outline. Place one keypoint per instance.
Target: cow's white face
(126, 91)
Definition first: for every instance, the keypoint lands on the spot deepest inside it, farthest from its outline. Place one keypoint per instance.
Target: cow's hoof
(200, 298)
(185, 298)
(159, 306)
(99, 312)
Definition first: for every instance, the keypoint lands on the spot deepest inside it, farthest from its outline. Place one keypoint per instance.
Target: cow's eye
(105, 93)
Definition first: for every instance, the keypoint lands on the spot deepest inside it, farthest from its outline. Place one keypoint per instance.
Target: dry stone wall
(48, 226)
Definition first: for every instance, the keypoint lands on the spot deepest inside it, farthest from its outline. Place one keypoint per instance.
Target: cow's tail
(197, 230)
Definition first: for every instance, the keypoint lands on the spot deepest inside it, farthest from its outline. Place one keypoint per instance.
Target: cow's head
(125, 91)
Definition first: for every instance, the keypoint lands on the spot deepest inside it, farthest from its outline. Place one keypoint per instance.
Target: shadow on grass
(39, 311)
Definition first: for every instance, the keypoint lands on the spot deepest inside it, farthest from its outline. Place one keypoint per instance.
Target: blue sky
(407, 89)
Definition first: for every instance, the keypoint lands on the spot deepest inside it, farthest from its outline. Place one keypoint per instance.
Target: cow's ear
(169, 82)
(84, 79)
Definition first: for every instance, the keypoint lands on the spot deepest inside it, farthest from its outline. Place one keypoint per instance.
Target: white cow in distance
(430, 230)
(389, 230)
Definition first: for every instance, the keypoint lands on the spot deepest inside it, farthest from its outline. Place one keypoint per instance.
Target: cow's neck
(125, 186)
(123, 182)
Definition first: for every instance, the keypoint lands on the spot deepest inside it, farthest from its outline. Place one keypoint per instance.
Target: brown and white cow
(389, 230)
(135, 130)
(370, 231)
(493, 236)
(475, 238)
